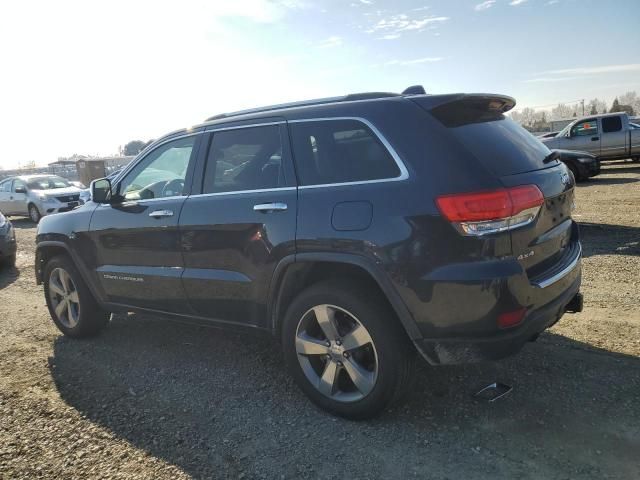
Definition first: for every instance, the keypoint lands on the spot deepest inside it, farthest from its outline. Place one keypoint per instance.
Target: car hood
(574, 153)
(59, 192)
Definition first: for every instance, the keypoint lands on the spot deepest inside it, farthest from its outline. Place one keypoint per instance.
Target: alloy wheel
(336, 353)
(64, 297)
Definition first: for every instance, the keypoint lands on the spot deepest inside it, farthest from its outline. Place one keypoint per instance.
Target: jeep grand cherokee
(358, 230)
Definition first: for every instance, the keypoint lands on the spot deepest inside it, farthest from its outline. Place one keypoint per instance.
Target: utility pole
(582, 102)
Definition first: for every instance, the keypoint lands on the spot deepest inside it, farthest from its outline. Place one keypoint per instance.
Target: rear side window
(339, 151)
(245, 159)
(611, 124)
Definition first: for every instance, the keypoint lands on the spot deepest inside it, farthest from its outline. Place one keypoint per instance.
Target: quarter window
(338, 151)
(245, 159)
(161, 173)
(611, 124)
(586, 128)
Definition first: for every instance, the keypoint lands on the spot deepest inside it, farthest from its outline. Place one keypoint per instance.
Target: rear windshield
(503, 146)
(499, 143)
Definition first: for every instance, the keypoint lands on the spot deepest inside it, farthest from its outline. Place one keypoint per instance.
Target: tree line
(540, 120)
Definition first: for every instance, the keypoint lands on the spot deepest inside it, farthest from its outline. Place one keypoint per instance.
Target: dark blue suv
(357, 230)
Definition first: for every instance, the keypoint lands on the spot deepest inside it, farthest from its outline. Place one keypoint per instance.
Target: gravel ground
(154, 399)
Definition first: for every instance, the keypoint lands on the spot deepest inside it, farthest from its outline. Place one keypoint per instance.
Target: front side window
(44, 183)
(17, 183)
(245, 159)
(611, 124)
(161, 173)
(585, 128)
(339, 151)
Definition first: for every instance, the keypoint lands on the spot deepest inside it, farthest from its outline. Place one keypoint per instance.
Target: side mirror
(568, 134)
(20, 190)
(101, 190)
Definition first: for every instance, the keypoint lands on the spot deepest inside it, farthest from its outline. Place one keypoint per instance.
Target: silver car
(37, 195)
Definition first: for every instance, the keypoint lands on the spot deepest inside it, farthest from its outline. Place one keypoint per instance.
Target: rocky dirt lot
(154, 399)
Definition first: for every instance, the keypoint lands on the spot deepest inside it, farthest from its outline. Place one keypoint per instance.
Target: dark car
(358, 230)
(549, 134)
(8, 244)
(583, 165)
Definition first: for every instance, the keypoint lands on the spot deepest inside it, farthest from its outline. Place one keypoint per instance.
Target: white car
(37, 195)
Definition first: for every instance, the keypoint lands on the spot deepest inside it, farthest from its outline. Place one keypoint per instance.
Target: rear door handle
(595, 139)
(270, 207)
(161, 213)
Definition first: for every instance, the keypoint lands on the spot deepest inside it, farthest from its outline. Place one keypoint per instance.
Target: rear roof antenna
(414, 90)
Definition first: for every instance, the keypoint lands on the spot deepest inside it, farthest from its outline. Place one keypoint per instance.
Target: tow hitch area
(576, 304)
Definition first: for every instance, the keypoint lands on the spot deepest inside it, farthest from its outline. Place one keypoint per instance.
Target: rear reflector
(481, 213)
(511, 319)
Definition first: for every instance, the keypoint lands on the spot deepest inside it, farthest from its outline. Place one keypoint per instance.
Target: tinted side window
(245, 159)
(611, 124)
(161, 173)
(585, 128)
(337, 151)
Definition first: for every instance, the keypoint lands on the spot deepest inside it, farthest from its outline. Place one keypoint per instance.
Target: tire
(574, 171)
(10, 261)
(34, 213)
(63, 285)
(383, 363)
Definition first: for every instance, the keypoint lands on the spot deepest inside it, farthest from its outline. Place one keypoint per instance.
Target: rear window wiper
(554, 155)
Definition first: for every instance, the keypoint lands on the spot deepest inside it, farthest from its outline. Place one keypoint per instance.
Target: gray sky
(86, 77)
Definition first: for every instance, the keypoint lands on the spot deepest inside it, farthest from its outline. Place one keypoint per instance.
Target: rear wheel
(34, 213)
(347, 353)
(71, 305)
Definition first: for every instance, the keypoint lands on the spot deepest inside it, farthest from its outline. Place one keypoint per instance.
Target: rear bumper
(503, 343)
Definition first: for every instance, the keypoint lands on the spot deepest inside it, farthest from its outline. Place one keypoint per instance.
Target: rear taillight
(483, 213)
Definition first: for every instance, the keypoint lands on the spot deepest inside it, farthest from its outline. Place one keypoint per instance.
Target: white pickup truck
(609, 136)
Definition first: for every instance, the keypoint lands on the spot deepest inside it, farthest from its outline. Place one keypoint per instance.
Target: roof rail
(305, 103)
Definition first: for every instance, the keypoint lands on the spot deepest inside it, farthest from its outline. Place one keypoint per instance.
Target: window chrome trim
(404, 173)
(144, 201)
(238, 127)
(238, 192)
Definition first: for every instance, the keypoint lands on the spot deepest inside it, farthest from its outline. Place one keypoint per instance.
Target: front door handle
(161, 213)
(270, 207)
(595, 139)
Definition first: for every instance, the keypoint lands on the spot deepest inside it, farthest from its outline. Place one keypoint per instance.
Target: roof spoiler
(459, 109)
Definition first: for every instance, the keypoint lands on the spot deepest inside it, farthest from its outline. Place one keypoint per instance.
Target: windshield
(47, 183)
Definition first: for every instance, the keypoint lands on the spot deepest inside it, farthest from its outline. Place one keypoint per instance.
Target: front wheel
(346, 351)
(34, 213)
(71, 305)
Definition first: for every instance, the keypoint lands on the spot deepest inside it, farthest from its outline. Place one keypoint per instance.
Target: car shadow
(610, 180)
(616, 167)
(22, 223)
(8, 275)
(217, 403)
(604, 239)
